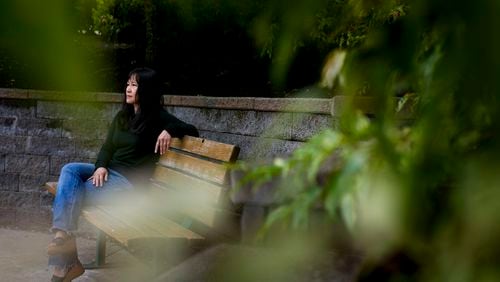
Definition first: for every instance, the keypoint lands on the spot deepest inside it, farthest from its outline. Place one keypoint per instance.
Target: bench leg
(100, 252)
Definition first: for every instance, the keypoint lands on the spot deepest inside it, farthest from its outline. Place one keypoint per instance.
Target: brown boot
(73, 272)
(61, 246)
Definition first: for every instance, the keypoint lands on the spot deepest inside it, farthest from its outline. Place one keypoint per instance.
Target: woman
(138, 134)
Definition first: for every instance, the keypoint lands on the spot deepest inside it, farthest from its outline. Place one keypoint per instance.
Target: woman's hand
(99, 177)
(163, 142)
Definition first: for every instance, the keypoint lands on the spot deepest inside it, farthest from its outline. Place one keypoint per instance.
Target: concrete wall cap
(306, 105)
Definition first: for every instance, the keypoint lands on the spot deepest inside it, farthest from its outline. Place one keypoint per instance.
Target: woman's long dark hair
(149, 99)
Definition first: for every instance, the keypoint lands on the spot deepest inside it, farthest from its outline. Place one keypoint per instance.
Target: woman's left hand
(163, 142)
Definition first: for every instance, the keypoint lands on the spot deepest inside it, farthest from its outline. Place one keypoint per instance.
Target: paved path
(23, 258)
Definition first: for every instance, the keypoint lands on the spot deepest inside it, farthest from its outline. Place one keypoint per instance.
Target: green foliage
(38, 39)
(424, 190)
(113, 20)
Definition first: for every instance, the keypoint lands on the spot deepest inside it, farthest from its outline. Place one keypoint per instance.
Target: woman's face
(131, 91)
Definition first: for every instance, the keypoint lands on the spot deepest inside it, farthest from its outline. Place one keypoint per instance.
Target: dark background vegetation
(212, 47)
(199, 48)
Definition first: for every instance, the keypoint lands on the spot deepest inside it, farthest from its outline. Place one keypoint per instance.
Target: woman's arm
(172, 127)
(104, 157)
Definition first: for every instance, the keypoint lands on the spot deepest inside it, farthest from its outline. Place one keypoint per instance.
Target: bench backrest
(193, 176)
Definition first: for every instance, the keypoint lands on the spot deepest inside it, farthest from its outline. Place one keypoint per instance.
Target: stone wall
(40, 131)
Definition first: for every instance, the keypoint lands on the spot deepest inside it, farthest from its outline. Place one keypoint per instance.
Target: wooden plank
(171, 202)
(190, 195)
(205, 169)
(207, 148)
(189, 185)
(123, 225)
(145, 218)
(114, 228)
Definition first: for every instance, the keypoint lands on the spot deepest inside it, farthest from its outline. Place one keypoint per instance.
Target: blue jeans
(75, 190)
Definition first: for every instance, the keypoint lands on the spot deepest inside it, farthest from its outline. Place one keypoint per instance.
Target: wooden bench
(186, 205)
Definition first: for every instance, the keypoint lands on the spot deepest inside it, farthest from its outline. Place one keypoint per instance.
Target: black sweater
(132, 154)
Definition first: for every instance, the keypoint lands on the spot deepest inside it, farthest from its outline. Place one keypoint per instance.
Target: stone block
(103, 133)
(46, 200)
(272, 148)
(57, 162)
(241, 141)
(88, 148)
(70, 110)
(17, 107)
(220, 120)
(237, 122)
(304, 126)
(268, 124)
(50, 146)
(24, 200)
(4, 199)
(8, 125)
(7, 215)
(252, 148)
(249, 123)
(27, 164)
(109, 111)
(32, 183)
(90, 128)
(39, 127)
(2, 163)
(9, 181)
(195, 116)
(12, 144)
(211, 119)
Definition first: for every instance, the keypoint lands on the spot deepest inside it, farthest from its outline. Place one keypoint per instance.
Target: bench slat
(200, 196)
(151, 220)
(173, 202)
(198, 188)
(114, 228)
(205, 169)
(207, 148)
(125, 224)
